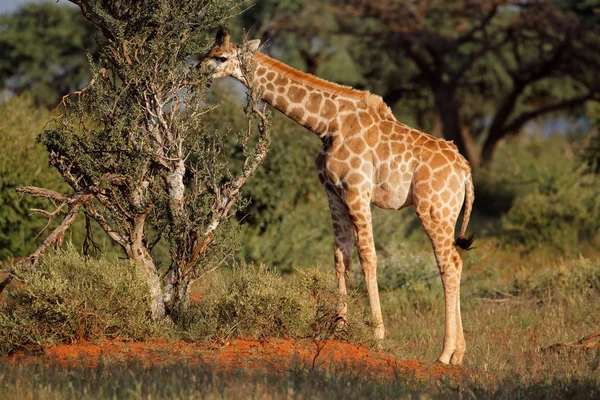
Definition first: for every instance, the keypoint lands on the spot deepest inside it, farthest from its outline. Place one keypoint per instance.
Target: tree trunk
(489, 147)
(138, 252)
(452, 124)
(142, 258)
(501, 115)
(175, 297)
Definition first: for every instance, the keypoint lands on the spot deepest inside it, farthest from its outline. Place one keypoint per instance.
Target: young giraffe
(369, 157)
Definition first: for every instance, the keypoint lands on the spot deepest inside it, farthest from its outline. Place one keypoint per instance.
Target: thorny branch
(75, 202)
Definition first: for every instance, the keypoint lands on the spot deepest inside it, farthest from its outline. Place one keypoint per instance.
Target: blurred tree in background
(43, 51)
(22, 161)
(487, 67)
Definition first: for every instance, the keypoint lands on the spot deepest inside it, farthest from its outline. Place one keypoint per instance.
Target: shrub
(256, 302)
(411, 276)
(69, 297)
(551, 201)
(561, 221)
(578, 278)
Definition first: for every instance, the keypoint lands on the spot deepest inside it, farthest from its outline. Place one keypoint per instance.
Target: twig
(48, 215)
(197, 251)
(585, 343)
(320, 345)
(513, 300)
(43, 193)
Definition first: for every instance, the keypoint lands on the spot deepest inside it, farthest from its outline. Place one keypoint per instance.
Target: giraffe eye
(222, 59)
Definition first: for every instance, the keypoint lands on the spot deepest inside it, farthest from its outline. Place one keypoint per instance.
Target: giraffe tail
(462, 241)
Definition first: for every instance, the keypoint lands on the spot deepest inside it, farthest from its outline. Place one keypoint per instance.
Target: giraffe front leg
(342, 253)
(363, 230)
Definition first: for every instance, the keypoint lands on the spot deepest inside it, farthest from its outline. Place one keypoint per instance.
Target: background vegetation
(520, 80)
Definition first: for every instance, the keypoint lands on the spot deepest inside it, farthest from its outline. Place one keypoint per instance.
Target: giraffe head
(225, 58)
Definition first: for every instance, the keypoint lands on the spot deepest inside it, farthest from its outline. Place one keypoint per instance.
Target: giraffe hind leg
(440, 232)
(342, 253)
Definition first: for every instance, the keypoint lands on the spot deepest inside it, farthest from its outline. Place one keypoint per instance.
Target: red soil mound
(275, 355)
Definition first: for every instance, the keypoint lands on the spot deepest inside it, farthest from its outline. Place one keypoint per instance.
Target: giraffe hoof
(443, 361)
(457, 359)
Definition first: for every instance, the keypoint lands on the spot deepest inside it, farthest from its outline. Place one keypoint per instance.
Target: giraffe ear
(222, 38)
(252, 45)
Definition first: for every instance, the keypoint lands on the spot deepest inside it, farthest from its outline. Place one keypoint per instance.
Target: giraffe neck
(310, 101)
(300, 96)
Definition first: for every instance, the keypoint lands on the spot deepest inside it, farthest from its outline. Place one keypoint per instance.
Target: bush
(547, 197)
(69, 297)
(578, 278)
(256, 302)
(412, 278)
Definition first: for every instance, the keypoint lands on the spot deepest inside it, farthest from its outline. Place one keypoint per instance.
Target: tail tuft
(465, 243)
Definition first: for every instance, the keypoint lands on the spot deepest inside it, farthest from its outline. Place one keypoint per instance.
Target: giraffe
(368, 157)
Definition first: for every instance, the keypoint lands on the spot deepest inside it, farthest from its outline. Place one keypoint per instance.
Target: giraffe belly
(393, 198)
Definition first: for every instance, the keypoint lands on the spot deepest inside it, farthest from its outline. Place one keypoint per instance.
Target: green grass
(514, 307)
(522, 374)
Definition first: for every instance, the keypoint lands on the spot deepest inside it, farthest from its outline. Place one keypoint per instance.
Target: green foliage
(43, 49)
(68, 297)
(545, 195)
(286, 179)
(579, 278)
(412, 276)
(557, 204)
(22, 163)
(257, 302)
(302, 238)
(592, 153)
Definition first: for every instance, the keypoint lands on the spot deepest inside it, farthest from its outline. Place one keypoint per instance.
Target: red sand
(275, 355)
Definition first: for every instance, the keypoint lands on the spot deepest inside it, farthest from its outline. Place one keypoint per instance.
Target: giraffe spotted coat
(369, 157)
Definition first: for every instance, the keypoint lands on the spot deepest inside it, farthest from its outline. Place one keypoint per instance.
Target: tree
(43, 49)
(135, 149)
(505, 61)
(22, 161)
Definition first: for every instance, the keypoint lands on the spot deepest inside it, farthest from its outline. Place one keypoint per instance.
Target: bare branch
(588, 342)
(44, 193)
(57, 235)
(518, 122)
(99, 218)
(196, 254)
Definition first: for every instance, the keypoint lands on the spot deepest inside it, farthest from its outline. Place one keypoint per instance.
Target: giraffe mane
(373, 101)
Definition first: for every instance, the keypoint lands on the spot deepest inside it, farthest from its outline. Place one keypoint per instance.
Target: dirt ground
(276, 355)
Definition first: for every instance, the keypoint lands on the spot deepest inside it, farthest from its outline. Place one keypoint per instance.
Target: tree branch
(99, 218)
(479, 27)
(57, 235)
(44, 194)
(518, 122)
(90, 14)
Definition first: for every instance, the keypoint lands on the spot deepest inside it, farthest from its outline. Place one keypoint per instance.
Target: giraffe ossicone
(369, 157)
